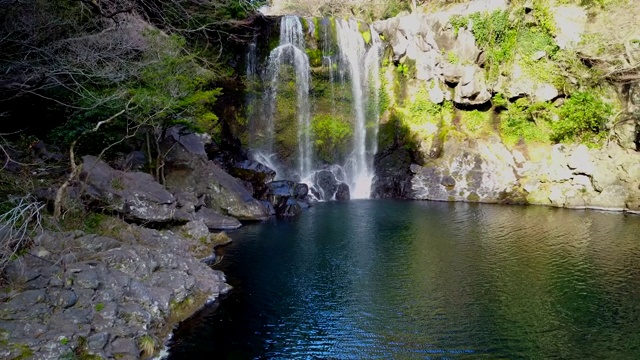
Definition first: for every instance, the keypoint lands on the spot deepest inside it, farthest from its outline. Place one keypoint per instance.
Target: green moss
(316, 28)
(499, 101)
(366, 35)
(453, 58)
(476, 122)
(315, 57)
(99, 307)
(495, 34)
(384, 100)
(473, 197)
(331, 135)
(544, 17)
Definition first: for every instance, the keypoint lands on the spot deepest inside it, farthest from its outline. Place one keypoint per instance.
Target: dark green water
(417, 280)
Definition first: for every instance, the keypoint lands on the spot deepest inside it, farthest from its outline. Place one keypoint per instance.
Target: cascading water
(350, 74)
(362, 67)
(291, 52)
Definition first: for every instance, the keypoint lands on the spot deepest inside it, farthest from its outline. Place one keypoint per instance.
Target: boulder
(326, 184)
(288, 208)
(472, 88)
(253, 172)
(215, 220)
(286, 197)
(188, 169)
(570, 24)
(135, 195)
(342, 192)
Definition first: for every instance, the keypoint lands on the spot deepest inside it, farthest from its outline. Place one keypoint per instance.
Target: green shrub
(495, 34)
(519, 123)
(582, 118)
(499, 101)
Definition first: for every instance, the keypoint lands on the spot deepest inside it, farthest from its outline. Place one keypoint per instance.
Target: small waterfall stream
(290, 52)
(347, 62)
(362, 71)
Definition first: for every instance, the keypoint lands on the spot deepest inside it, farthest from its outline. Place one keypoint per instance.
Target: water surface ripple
(418, 280)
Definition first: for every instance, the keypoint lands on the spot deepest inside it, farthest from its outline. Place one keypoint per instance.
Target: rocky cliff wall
(461, 127)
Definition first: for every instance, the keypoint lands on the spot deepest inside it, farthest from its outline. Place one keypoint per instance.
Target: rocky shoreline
(113, 296)
(117, 290)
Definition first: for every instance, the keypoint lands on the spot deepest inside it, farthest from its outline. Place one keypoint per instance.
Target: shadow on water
(401, 279)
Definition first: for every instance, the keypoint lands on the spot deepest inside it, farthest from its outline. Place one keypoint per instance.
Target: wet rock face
(327, 187)
(106, 291)
(287, 198)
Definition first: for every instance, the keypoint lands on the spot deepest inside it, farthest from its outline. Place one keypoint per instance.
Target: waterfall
(251, 98)
(347, 68)
(372, 76)
(290, 51)
(362, 68)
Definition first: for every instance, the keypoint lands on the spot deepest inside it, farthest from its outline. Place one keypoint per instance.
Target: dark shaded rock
(77, 316)
(189, 170)
(191, 142)
(96, 243)
(46, 152)
(469, 171)
(216, 221)
(135, 195)
(393, 177)
(253, 172)
(281, 188)
(342, 193)
(23, 301)
(195, 229)
(186, 201)
(104, 319)
(288, 208)
(286, 197)
(87, 279)
(134, 315)
(135, 160)
(269, 206)
(301, 191)
(326, 184)
(37, 283)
